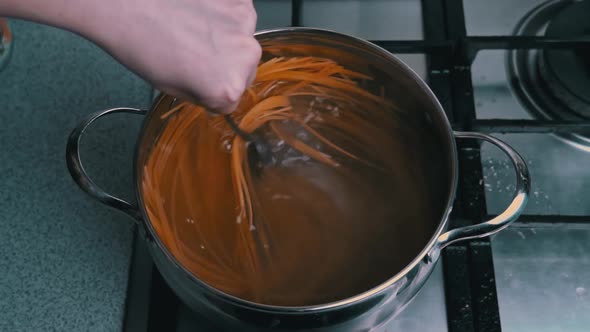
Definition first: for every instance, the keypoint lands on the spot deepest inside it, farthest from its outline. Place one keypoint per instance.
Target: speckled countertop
(64, 258)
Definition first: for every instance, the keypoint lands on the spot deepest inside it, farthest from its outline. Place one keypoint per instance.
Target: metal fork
(259, 150)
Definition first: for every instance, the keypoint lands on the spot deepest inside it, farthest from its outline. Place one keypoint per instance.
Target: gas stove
(517, 69)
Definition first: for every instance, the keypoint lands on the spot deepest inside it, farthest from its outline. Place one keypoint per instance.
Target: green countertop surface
(64, 258)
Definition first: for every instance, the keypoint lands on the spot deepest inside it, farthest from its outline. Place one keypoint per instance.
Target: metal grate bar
(296, 10)
(525, 42)
(164, 305)
(414, 46)
(553, 219)
(470, 203)
(438, 62)
(477, 43)
(483, 287)
(503, 126)
(460, 316)
(139, 284)
(456, 277)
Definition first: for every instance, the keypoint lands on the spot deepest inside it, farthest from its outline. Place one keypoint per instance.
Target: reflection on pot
(5, 42)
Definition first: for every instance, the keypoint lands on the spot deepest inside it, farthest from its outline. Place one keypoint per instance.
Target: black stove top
(468, 268)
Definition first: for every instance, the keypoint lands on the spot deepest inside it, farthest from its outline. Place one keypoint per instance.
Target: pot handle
(79, 174)
(510, 214)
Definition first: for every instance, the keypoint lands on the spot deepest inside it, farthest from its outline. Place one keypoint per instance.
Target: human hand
(197, 50)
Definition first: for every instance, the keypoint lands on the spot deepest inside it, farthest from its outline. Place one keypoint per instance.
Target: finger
(252, 21)
(225, 109)
(251, 77)
(179, 93)
(256, 56)
(251, 18)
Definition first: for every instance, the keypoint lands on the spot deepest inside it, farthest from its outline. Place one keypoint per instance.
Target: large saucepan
(374, 307)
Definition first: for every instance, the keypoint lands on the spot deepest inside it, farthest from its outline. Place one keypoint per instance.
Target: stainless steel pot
(436, 147)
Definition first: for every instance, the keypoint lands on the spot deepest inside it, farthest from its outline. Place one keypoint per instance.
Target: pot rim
(370, 293)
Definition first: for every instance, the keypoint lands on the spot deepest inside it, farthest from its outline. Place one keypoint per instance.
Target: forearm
(78, 16)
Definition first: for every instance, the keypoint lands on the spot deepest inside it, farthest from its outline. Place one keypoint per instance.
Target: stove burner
(554, 84)
(567, 72)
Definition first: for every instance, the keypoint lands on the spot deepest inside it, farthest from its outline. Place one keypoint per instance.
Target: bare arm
(200, 50)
